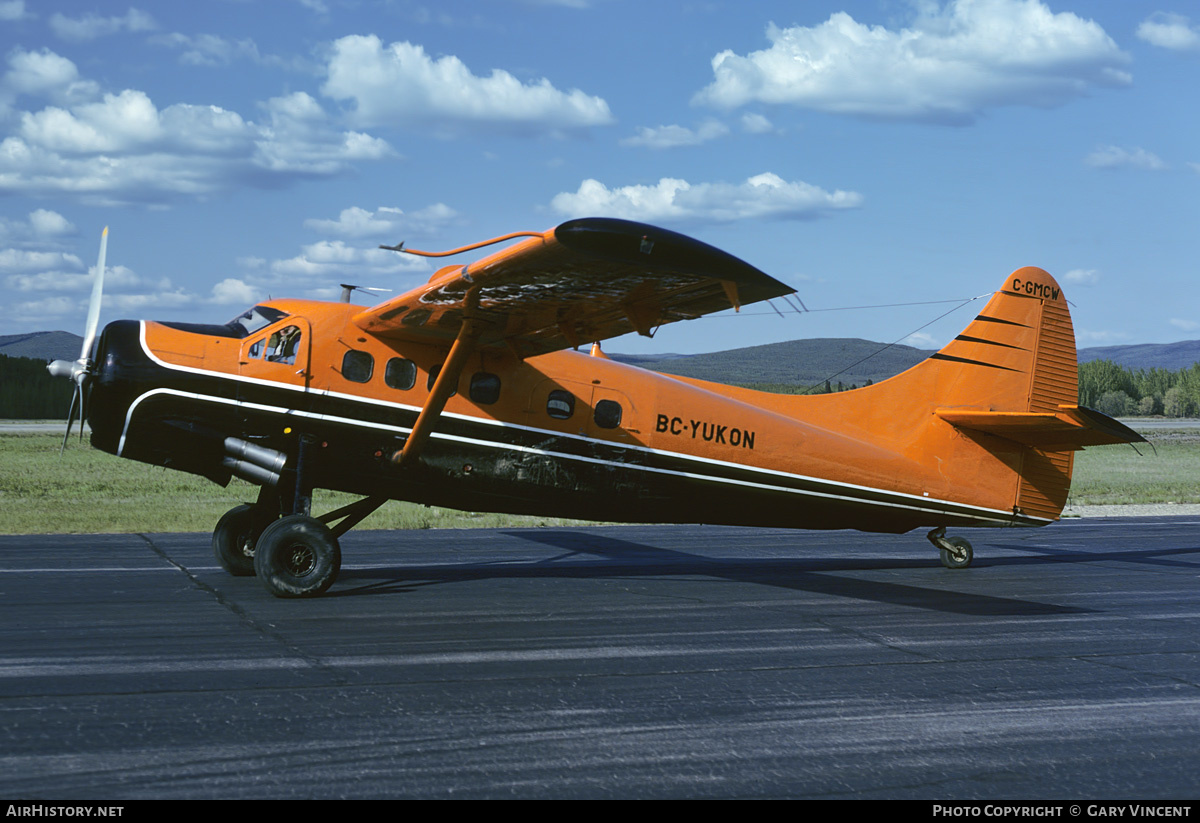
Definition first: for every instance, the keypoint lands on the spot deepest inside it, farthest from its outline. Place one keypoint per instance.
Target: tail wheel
(297, 556)
(235, 537)
(957, 553)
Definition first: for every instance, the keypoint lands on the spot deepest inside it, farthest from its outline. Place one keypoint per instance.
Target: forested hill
(42, 345)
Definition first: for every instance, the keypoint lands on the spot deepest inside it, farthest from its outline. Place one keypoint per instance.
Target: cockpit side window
(279, 347)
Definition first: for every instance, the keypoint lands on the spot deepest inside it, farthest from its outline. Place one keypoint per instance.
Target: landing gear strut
(956, 551)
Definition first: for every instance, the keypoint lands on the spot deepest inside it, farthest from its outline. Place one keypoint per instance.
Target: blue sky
(866, 152)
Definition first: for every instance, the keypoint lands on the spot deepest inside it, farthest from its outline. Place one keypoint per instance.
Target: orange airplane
(468, 392)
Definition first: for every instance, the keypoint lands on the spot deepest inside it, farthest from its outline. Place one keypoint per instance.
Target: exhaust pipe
(254, 464)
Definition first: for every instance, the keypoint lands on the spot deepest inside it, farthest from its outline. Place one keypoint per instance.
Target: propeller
(80, 370)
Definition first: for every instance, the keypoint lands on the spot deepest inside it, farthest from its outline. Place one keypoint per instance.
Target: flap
(1070, 428)
(586, 280)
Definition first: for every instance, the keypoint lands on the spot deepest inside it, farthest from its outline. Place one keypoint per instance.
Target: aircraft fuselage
(563, 434)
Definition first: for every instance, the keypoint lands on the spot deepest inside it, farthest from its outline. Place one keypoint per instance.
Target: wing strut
(447, 380)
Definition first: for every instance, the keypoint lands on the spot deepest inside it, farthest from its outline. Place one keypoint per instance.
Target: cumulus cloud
(764, 197)
(949, 66)
(667, 137)
(1082, 277)
(1115, 157)
(46, 75)
(385, 221)
(13, 10)
(1170, 31)
(232, 291)
(335, 260)
(21, 260)
(123, 148)
(1186, 325)
(402, 86)
(42, 227)
(756, 124)
(211, 50)
(91, 25)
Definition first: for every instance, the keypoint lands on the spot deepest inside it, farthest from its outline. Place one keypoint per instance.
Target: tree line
(28, 392)
(1120, 392)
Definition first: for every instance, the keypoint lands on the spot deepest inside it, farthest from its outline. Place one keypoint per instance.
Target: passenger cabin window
(560, 404)
(433, 373)
(400, 373)
(358, 366)
(485, 388)
(608, 414)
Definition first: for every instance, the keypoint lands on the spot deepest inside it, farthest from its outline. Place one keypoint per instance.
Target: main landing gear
(956, 551)
(276, 538)
(294, 556)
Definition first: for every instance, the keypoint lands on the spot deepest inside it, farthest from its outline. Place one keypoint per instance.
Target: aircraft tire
(962, 556)
(297, 556)
(238, 529)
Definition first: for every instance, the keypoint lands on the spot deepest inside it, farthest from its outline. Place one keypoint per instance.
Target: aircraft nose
(114, 381)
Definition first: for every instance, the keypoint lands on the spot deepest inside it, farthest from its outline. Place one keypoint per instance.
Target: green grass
(86, 491)
(89, 492)
(1114, 475)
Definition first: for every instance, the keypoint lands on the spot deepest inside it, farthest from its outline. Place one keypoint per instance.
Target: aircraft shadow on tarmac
(616, 558)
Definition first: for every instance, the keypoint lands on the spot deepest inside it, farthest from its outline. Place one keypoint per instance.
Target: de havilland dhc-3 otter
(469, 392)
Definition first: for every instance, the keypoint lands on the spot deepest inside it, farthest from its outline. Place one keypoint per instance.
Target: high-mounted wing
(586, 280)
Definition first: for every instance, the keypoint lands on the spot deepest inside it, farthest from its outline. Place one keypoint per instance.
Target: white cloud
(92, 25)
(1170, 31)
(1101, 338)
(20, 260)
(43, 74)
(756, 124)
(122, 148)
(1113, 157)
(921, 340)
(951, 65)
(232, 291)
(43, 227)
(666, 137)
(385, 221)
(13, 10)
(1082, 277)
(1186, 325)
(333, 261)
(210, 50)
(402, 86)
(764, 197)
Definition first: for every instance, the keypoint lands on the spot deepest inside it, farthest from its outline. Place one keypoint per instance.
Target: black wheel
(958, 557)
(297, 556)
(235, 537)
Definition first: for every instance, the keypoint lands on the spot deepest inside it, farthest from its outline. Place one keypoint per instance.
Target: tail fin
(1022, 346)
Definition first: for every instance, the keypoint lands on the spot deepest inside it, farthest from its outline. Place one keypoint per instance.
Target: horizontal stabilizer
(1070, 428)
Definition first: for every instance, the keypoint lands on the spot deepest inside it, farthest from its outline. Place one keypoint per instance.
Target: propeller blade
(75, 395)
(93, 315)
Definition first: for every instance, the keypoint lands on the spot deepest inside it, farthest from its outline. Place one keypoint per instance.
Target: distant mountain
(1170, 356)
(42, 345)
(811, 362)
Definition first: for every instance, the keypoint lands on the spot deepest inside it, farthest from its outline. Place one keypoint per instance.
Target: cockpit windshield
(256, 318)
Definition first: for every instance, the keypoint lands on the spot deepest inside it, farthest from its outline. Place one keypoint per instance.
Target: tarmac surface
(610, 662)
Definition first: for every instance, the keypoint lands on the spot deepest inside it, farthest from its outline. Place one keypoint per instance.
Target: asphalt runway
(615, 662)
